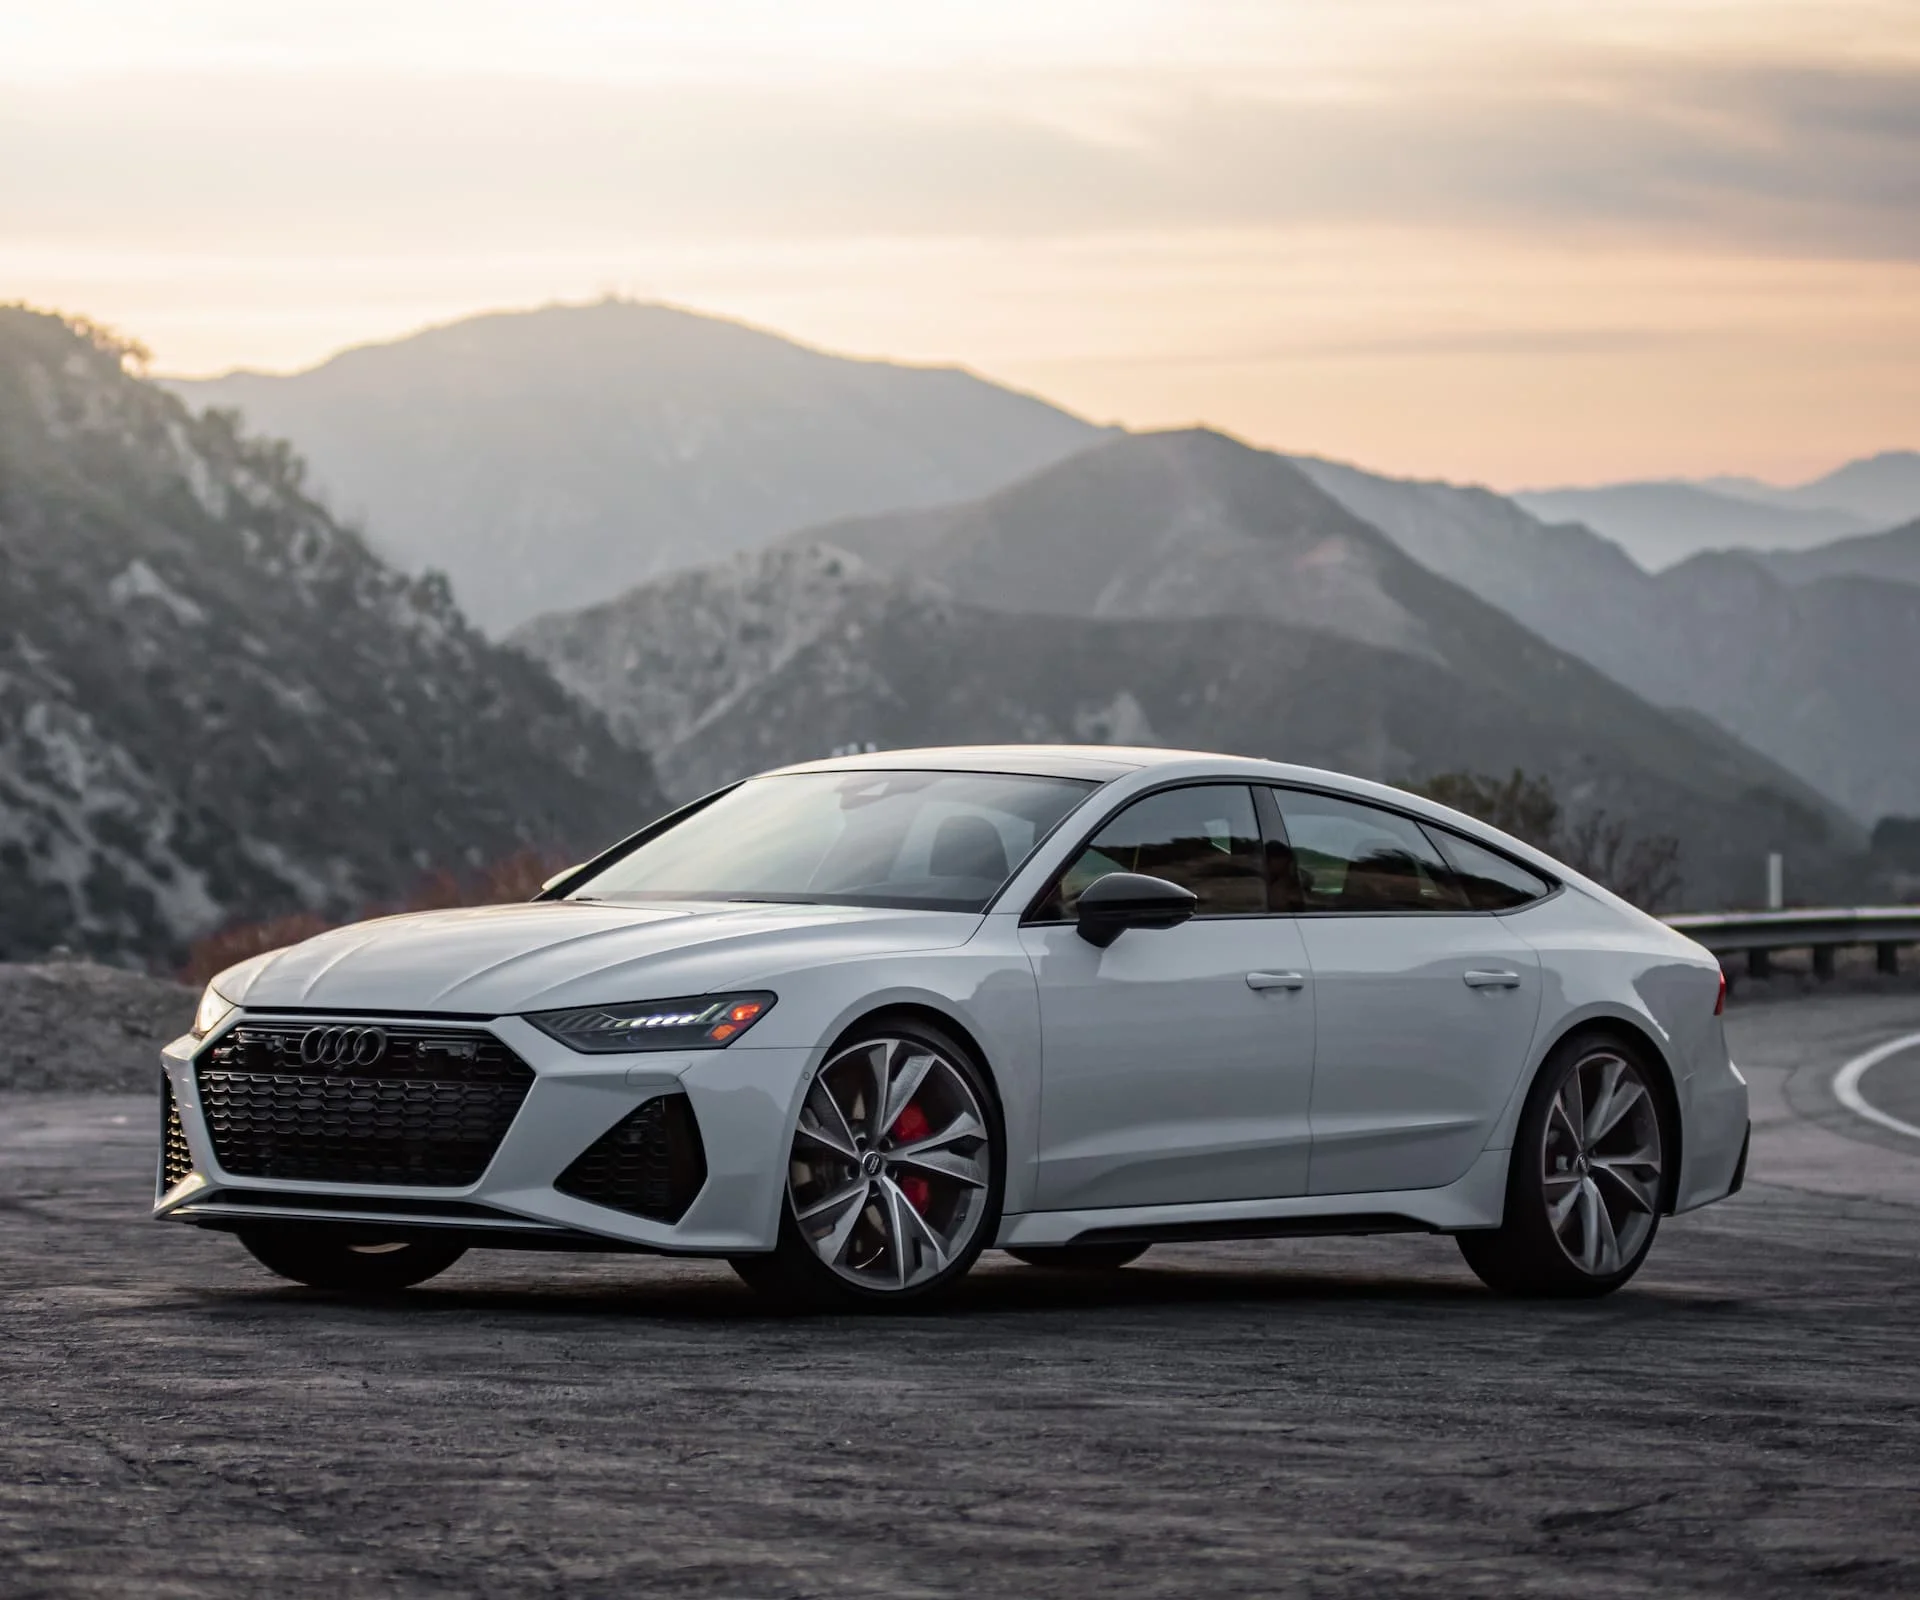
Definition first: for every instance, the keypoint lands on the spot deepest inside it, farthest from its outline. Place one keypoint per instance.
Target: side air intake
(176, 1160)
(650, 1163)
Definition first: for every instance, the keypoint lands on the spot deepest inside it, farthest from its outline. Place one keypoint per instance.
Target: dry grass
(517, 878)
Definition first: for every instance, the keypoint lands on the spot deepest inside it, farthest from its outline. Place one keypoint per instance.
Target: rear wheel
(1080, 1257)
(1585, 1183)
(361, 1267)
(894, 1178)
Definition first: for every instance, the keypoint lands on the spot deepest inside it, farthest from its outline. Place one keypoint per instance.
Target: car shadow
(701, 1292)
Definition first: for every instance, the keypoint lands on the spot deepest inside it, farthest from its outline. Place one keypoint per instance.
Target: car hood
(492, 960)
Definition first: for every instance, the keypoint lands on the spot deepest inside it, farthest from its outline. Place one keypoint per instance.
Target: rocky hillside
(1164, 589)
(1807, 656)
(215, 702)
(555, 458)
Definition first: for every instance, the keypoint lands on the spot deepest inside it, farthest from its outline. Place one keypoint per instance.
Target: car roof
(1099, 762)
(1102, 763)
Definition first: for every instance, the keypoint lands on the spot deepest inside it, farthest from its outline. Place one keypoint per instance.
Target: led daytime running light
(704, 1022)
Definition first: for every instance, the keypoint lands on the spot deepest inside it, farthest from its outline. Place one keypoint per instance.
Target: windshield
(939, 841)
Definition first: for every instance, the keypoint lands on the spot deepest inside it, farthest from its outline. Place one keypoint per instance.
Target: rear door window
(1353, 857)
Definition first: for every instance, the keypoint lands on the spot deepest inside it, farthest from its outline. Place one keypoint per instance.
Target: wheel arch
(1648, 1047)
(934, 1016)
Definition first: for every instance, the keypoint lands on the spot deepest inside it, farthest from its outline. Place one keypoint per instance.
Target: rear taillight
(1720, 1000)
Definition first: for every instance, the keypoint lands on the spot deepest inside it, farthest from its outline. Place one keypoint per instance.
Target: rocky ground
(76, 1027)
(1331, 1418)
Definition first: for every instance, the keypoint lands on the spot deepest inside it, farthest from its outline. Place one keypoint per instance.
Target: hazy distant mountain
(1664, 522)
(1659, 524)
(1891, 557)
(1488, 543)
(1880, 489)
(554, 458)
(1172, 589)
(217, 703)
(1819, 675)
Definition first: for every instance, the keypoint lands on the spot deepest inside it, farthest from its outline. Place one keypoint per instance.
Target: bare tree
(1642, 868)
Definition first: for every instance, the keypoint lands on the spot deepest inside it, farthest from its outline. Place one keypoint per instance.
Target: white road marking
(1846, 1084)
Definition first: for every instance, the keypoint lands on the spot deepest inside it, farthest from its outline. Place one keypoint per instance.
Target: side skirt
(1477, 1199)
(1254, 1228)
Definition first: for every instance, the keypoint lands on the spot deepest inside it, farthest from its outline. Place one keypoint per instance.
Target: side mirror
(1122, 900)
(561, 877)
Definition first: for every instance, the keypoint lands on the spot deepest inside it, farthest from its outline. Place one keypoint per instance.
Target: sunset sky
(1557, 241)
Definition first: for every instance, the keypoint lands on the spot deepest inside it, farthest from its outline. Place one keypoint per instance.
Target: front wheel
(361, 1267)
(894, 1179)
(1585, 1184)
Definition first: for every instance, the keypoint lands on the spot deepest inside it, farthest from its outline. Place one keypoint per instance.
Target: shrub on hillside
(517, 878)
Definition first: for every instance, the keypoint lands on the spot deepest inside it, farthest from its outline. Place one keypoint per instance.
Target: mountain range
(1807, 656)
(1664, 522)
(1177, 588)
(735, 551)
(553, 458)
(550, 460)
(216, 702)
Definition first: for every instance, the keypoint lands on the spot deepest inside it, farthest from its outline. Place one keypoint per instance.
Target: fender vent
(648, 1164)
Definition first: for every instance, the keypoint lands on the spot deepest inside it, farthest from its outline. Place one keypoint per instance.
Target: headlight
(214, 1010)
(703, 1022)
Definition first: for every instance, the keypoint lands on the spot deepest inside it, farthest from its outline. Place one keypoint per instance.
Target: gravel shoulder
(1311, 1418)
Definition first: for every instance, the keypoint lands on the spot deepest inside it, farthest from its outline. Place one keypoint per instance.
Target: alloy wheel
(1600, 1163)
(890, 1168)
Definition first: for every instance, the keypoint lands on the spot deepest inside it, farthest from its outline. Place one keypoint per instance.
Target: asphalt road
(1327, 1418)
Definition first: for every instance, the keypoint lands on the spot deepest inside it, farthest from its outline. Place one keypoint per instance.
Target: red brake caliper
(909, 1126)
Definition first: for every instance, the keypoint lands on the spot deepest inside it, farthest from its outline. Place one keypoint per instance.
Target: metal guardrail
(1757, 934)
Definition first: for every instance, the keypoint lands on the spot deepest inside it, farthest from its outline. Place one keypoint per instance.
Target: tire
(890, 1198)
(1582, 1207)
(1081, 1257)
(350, 1266)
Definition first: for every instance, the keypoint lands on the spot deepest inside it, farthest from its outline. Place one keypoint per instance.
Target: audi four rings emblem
(342, 1047)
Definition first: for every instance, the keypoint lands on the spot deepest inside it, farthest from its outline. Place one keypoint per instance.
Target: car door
(1177, 1063)
(1425, 1005)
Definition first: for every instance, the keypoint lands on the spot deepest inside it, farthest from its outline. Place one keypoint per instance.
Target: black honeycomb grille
(176, 1160)
(649, 1164)
(431, 1109)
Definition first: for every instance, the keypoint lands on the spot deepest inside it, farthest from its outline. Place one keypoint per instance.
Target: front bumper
(744, 1100)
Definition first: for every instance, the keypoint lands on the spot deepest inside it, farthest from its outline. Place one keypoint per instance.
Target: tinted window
(1355, 857)
(940, 840)
(1205, 838)
(1489, 880)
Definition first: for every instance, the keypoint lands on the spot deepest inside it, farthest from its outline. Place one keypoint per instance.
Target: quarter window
(1488, 879)
(1206, 838)
(1354, 857)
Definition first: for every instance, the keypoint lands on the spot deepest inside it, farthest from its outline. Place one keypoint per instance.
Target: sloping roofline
(1099, 762)
(1102, 763)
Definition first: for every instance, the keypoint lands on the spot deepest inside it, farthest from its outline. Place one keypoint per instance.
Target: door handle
(1493, 980)
(1276, 980)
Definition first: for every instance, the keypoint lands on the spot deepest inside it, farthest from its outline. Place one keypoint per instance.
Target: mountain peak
(552, 458)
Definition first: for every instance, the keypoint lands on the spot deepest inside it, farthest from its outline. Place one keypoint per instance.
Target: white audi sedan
(848, 1024)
